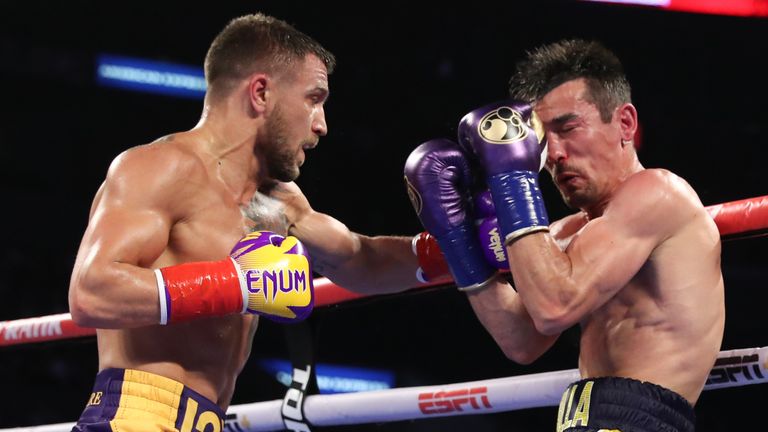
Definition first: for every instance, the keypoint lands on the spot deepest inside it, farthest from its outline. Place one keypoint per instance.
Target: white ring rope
(733, 368)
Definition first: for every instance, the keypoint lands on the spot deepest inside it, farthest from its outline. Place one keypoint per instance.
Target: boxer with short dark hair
(174, 270)
(638, 266)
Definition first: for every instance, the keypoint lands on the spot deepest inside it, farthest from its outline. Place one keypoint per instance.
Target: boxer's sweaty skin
(642, 274)
(643, 328)
(203, 220)
(638, 268)
(182, 199)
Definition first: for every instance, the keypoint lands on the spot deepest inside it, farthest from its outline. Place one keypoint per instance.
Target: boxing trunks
(127, 400)
(623, 405)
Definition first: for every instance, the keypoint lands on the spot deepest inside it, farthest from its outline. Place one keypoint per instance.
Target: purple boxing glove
(503, 137)
(438, 179)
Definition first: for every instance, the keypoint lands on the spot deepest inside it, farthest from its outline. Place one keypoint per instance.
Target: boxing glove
(504, 142)
(438, 179)
(432, 264)
(265, 274)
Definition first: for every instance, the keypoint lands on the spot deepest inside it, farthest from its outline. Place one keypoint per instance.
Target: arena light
(754, 8)
(150, 76)
(334, 378)
(657, 3)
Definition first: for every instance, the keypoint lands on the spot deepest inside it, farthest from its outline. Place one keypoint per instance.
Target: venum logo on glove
(495, 246)
(271, 283)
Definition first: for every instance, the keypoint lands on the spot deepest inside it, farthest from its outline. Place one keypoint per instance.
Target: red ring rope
(735, 219)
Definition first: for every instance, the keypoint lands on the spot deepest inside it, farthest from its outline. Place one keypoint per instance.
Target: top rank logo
(503, 125)
(473, 399)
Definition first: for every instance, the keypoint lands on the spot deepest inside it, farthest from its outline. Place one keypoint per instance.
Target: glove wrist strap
(199, 289)
(464, 257)
(478, 286)
(519, 205)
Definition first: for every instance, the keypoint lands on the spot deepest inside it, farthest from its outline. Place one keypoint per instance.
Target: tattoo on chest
(264, 213)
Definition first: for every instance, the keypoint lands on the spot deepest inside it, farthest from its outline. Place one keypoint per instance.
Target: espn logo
(474, 399)
(736, 369)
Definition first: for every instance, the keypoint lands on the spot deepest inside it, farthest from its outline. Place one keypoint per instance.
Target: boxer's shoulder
(562, 230)
(655, 183)
(655, 203)
(162, 174)
(164, 159)
(655, 191)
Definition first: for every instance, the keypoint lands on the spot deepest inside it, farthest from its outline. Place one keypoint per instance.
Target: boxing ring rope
(736, 219)
(733, 368)
(736, 368)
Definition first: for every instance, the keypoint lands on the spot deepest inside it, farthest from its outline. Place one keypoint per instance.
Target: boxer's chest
(215, 224)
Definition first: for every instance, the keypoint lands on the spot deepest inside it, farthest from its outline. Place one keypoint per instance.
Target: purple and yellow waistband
(130, 400)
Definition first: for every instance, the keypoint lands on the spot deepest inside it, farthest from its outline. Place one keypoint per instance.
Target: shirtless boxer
(638, 267)
(153, 274)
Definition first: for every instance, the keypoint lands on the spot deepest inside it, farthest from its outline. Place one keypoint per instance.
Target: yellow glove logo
(277, 275)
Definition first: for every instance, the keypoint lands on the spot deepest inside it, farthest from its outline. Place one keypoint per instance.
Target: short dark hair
(551, 65)
(258, 42)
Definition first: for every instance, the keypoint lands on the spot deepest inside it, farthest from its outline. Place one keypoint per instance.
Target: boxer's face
(583, 150)
(297, 119)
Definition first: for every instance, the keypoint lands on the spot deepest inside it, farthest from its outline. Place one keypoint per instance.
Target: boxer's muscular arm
(129, 226)
(359, 263)
(560, 288)
(373, 265)
(502, 313)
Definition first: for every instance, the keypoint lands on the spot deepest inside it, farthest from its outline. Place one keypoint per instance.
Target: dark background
(405, 74)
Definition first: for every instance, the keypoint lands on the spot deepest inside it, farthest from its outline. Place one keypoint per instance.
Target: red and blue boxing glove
(503, 138)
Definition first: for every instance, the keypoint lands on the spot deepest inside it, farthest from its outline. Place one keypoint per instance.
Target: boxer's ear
(258, 88)
(626, 115)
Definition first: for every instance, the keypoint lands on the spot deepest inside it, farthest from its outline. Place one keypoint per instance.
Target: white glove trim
(523, 232)
(477, 286)
(243, 285)
(161, 290)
